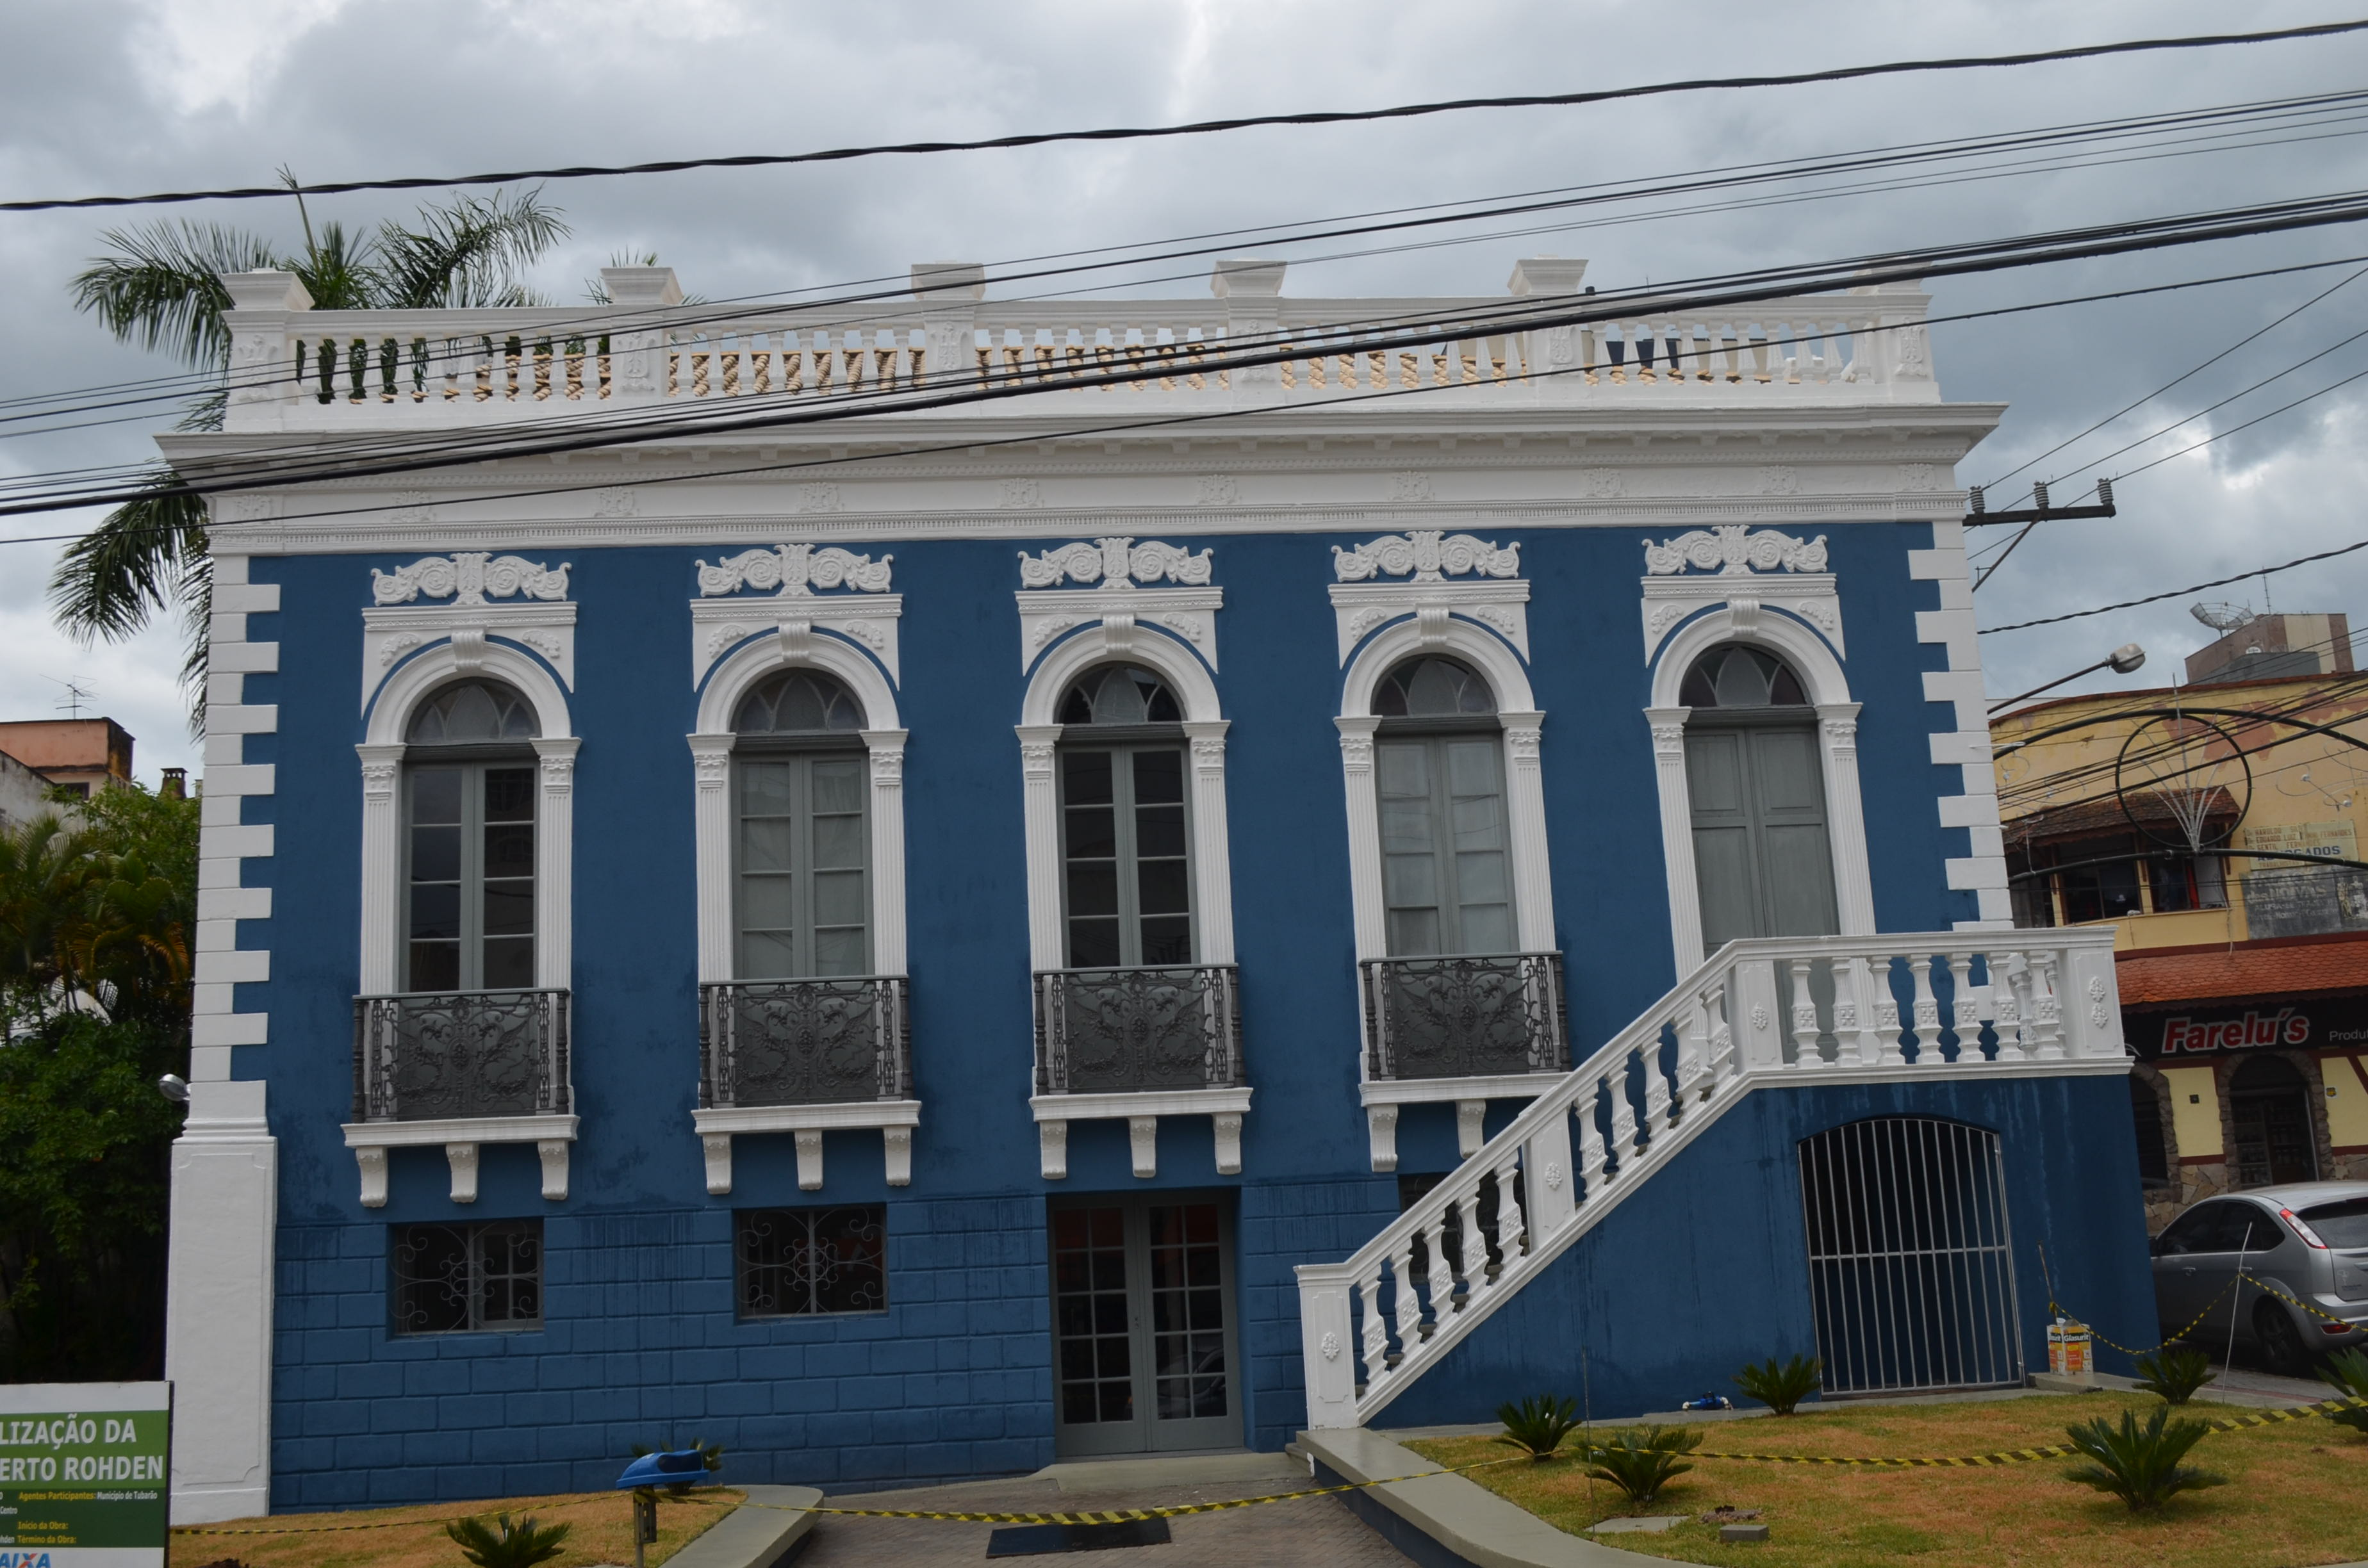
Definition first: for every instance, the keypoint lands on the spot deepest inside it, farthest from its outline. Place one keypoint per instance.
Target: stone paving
(1311, 1531)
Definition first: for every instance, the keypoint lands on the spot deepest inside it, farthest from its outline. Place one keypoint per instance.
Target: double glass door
(1143, 1326)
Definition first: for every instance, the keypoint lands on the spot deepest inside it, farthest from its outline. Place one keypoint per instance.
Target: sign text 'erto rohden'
(82, 1474)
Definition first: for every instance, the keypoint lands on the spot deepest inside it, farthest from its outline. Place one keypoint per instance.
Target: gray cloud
(115, 95)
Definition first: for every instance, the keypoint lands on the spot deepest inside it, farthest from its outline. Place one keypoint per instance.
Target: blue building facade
(884, 945)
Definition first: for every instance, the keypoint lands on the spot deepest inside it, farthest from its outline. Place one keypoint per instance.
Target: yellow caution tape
(1099, 1516)
(2054, 1451)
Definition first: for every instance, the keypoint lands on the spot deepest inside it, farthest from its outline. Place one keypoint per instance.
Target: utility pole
(2040, 511)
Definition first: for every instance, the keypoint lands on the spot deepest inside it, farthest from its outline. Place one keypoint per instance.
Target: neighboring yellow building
(2244, 977)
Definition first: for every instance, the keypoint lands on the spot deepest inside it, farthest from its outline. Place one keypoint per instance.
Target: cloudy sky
(141, 95)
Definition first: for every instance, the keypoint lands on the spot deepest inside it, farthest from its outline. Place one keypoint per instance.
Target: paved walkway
(1313, 1532)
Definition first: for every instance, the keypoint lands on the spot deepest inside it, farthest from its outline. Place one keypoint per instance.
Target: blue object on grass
(1709, 1401)
(677, 1469)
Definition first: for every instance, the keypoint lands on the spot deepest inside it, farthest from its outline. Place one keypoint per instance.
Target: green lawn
(413, 1538)
(2297, 1493)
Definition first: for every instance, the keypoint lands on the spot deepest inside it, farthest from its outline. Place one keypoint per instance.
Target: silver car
(2307, 1240)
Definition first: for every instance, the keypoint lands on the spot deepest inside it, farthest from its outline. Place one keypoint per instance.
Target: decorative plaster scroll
(391, 633)
(1429, 555)
(1188, 614)
(1735, 550)
(473, 575)
(1360, 609)
(1811, 598)
(719, 625)
(795, 569)
(1115, 561)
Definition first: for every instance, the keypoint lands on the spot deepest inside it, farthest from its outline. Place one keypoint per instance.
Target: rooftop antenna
(75, 698)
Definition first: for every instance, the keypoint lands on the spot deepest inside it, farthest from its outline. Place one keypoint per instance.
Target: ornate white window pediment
(794, 592)
(1128, 600)
(1448, 575)
(535, 614)
(1744, 570)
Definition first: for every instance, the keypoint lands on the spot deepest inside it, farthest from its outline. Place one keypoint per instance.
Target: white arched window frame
(1438, 632)
(799, 645)
(1120, 639)
(465, 651)
(1745, 620)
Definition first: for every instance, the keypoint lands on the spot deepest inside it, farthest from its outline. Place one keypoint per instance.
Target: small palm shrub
(2348, 1374)
(1641, 1461)
(2141, 1465)
(1538, 1425)
(1782, 1388)
(2175, 1372)
(506, 1545)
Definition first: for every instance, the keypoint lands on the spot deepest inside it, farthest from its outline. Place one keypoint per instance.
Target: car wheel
(2282, 1342)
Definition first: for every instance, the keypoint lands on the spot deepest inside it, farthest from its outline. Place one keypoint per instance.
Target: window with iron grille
(806, 1262)
(479, 1279)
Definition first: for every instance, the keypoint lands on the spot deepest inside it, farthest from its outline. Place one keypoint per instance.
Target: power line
(1205, 127)
(174, 389)
(968, 443)
(1520, 314)
(2197, 588)
(2175, 381)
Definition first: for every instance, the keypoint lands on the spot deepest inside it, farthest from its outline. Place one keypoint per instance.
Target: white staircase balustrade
(1759, 1014)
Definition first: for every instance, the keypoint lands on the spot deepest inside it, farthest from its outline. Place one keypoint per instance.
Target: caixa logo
(24, 1560)
(2287, 1025)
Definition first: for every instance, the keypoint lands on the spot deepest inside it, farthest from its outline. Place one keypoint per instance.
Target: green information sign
(84, 1469)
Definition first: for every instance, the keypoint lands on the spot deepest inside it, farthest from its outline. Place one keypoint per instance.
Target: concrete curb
(1447, 1521)
(756, 1537)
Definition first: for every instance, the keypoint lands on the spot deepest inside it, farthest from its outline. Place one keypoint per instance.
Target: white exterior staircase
(1757, 1014)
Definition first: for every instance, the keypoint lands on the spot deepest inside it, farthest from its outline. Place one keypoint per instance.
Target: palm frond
(339, 272)
(466, 254)
(160, 286)
(136, 562)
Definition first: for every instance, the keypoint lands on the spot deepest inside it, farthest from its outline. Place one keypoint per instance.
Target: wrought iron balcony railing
(770, 1042)
(1466, 1016)
(1104, 1030)
(428, 1056)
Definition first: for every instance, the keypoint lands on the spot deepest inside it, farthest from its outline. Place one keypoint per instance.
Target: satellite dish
(2222, 616)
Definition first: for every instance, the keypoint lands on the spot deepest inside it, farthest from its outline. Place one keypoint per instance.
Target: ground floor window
(477, 1279)
(808, 1262)
(1143, 1325)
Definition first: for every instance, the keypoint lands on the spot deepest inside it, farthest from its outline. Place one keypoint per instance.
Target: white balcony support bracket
(459, 1138)
(1141, 1110)
(1382, 1136)
(894, 1119)
(1470, 1115)
(463, 1158)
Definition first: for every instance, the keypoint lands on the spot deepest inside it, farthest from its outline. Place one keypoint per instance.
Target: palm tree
(160, 286)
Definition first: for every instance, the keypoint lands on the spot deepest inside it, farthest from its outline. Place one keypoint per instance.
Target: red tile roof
(2291, 966)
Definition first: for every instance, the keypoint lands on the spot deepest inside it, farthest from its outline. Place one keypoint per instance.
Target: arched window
(802, 834)
(1439, 772)
(469, 795)
(1755, 782)
(1126, 852)
(2268, 1110)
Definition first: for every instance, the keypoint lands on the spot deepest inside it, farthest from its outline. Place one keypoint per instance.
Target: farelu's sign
(2169, 1033)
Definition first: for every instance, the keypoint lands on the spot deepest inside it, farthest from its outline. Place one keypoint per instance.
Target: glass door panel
(1143, 1326)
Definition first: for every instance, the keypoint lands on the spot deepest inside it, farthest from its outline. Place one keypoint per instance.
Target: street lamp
(2121, 661)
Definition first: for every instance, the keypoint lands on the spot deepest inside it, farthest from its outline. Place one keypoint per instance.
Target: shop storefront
(2253, 1064)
